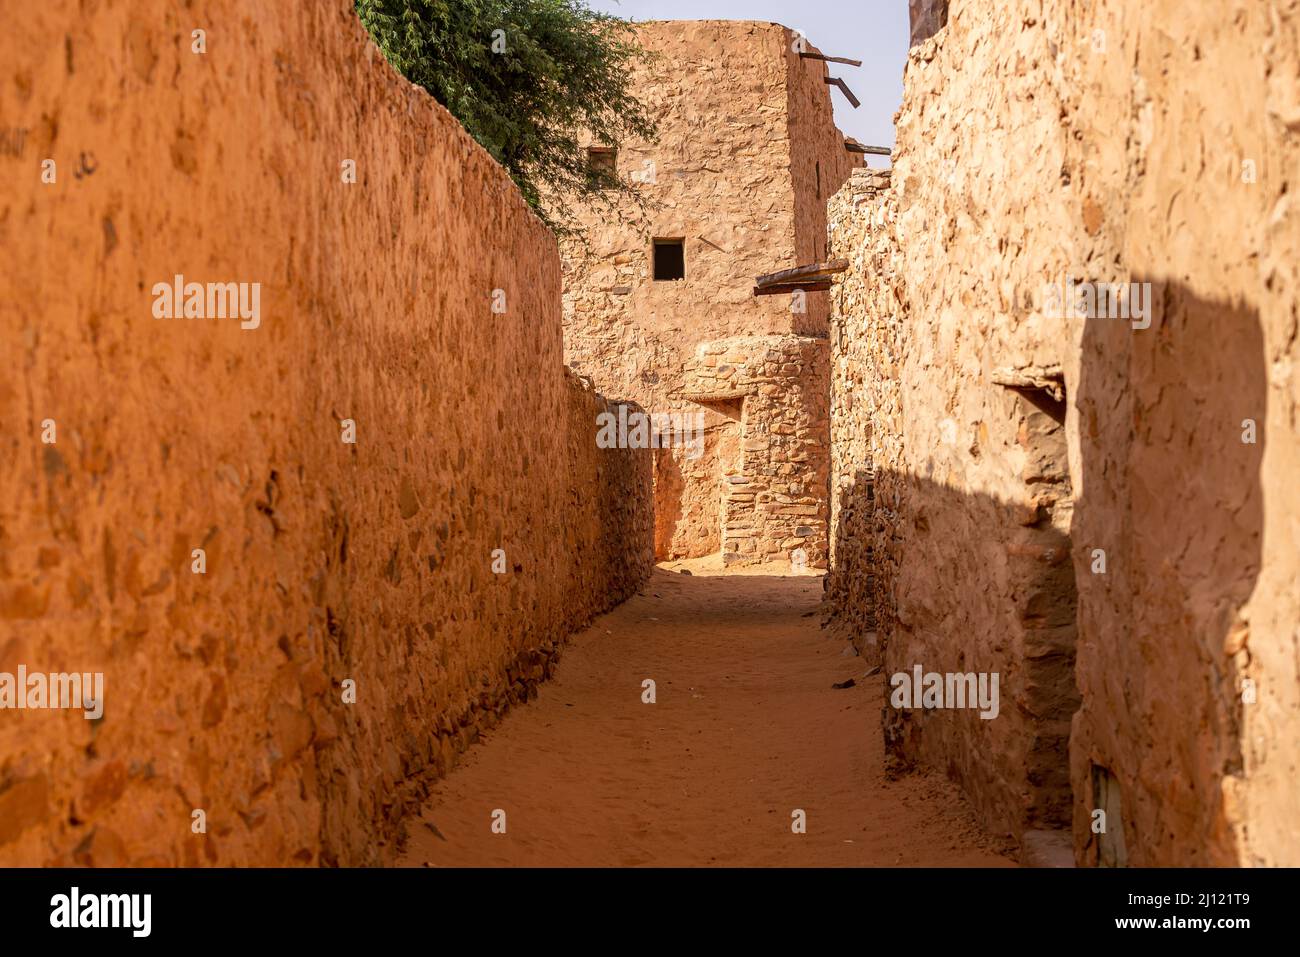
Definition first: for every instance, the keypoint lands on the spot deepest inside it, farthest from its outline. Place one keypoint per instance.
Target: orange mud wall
(325, 561)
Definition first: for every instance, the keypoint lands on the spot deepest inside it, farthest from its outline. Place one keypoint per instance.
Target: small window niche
(669, 259)
(602, 166)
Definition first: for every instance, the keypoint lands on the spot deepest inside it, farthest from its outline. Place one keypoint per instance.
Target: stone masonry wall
(325, 561)
(744, 125)
(774, 504)
(1186, 127)
(868, 316)
(949, 530)
(1099, 142)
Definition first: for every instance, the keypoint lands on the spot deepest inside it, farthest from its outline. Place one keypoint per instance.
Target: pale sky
(873, 31)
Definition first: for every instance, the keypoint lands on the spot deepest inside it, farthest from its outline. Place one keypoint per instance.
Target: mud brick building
(659, 303)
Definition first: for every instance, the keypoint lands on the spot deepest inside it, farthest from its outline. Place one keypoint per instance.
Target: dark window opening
(669, 259)
(601, 165)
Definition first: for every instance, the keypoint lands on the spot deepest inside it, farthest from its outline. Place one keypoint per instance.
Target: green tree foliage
(525, 93)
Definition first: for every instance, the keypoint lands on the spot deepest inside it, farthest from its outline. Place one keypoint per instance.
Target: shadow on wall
(689, 492)
(1109, 612)
(669, 487)
(629, 515)
(1171, 423)
(968, 584)
(850, 584)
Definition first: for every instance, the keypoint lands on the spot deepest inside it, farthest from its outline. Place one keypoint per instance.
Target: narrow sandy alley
(746, 729)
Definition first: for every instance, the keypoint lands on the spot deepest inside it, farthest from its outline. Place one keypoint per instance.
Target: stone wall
(1188, 137)
(950, 524)
(774, 497)
(1090, 142)
(868, 316)
(745, 128)
(326, 561)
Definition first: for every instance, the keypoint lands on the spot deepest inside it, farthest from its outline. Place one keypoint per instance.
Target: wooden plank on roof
(816, 285)
(830, 59)
(853, 146)
(844, 88)
(811, 271)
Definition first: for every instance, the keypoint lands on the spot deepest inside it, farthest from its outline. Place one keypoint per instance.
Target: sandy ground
(746, 728)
